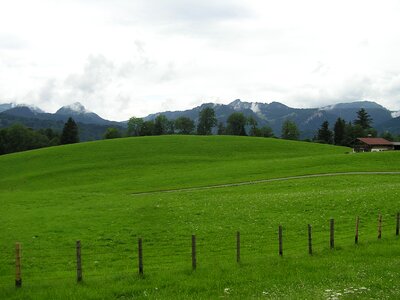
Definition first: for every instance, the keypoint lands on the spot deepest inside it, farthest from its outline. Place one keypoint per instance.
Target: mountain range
(273, 114)
(91, 126)
(307, 119)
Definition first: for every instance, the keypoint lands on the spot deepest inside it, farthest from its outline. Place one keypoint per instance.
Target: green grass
(52, 197)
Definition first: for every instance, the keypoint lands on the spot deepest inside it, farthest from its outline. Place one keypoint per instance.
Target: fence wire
(41, 264)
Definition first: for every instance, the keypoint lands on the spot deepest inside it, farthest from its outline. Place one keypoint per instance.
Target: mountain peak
(33, 108)
(74, 109)
(21, 107)
(277, 105)
(235, 102)
(240, 105)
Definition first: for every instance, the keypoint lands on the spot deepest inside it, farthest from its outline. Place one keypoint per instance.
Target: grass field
(52, 197)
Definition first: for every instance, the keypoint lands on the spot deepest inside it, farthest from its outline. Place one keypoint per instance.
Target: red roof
(375, 141)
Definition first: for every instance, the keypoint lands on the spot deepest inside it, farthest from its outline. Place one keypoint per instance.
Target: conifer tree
(363, 119)
(339, 132)
(70, 133)
(324, 133)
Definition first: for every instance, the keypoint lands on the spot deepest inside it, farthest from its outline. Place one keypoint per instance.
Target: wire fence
(37, 264)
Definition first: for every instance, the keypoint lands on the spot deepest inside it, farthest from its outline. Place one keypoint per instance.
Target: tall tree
(70, 133)
(170, 127)
(147, 128)
(53, 136)
(351, 133)
(134, 126)
(161, 124)
(324, 134)
(3, 141)
(339, 132)
(236, 123)
(363, 119)
(207, 121)
(184, 125)
(290, 130)
(254, 131)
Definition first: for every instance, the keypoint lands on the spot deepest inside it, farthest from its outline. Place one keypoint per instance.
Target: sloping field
(52, 197)
(168, 162)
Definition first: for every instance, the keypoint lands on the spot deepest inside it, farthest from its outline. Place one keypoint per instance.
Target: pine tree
(339, 132)
(325, 134)
(363, 119)
(70, 133)
(161, 125)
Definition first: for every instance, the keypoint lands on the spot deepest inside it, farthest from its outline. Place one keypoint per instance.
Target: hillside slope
(168, 162)
(52, 197)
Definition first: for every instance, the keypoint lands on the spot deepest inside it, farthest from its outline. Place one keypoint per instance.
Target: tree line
(20, 138)
(344, 133)
(207, 124)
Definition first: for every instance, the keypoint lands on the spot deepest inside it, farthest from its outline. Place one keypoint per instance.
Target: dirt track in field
(216, 186)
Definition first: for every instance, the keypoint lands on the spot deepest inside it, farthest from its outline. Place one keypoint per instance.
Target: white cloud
(122, 58)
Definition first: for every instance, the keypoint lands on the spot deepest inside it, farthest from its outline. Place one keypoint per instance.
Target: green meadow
(109, 193)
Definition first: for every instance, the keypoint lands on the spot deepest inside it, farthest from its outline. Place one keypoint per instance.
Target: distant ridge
(75, 110)
(272, 114)
(91, 126)
(275, 113)
(81, 114)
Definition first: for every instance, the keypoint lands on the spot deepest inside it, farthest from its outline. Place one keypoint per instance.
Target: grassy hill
(167, 162)
(54, 196)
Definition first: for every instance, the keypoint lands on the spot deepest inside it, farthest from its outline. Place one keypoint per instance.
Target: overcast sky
(123, 58)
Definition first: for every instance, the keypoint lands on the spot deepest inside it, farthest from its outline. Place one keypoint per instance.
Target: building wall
(380, 148)
(369, 148)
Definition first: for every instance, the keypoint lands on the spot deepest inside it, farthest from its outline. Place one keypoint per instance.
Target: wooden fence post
(280, 240)
(238, 247)
(397, 224)
(78, 262)
(380, 226)
(357, 224)
(194, 261)
(332, 233)
(18, 278)
(140, 256)
(309, 240)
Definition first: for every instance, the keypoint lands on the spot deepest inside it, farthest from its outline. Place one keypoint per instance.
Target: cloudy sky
(123, 58)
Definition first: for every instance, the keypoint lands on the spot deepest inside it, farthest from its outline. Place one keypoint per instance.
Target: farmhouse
(396, 145)
(372, 145)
